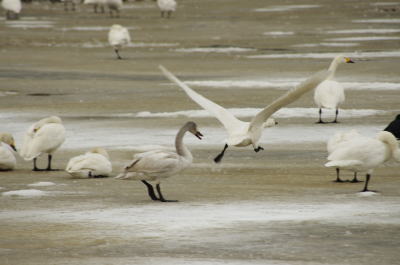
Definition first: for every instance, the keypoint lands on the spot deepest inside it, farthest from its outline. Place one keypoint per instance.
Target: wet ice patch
(378, 20)
(216, 49)
(283, 8)
(362, 31)
(278, 33)
(7, 93)
(42, 184)
(149, 44)
(369, 38)
(367, 194)
(326, 44)
(25, 193)
(91, 28)
(30, 24)
(330, 55)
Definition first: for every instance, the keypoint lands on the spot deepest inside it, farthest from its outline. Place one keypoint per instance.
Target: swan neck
(181, 149)
(332, 68)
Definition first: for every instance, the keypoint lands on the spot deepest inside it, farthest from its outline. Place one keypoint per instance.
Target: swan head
(192, 128)
(270, 123)
(101, 151)
(8, 139)
(343, 59)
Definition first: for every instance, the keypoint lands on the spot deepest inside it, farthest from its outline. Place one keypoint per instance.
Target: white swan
(118, 36)
(246, 133)
(114, 6)
(93, 164)
(330, 94)
(167, 6)
(96, 4)
(338, 140)
(71, 3)
(12, 7)
(45, 136)
(7, 148)
(160, 164)
(363, 154)
(394, 127)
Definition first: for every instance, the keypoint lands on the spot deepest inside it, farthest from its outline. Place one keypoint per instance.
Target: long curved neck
(181, 149)
(333, 67)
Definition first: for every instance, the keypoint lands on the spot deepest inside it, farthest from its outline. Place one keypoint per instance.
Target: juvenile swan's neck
(181, 149)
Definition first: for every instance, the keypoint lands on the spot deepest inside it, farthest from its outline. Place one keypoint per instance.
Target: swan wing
(7, 158)
(230, 122)
(307, 85)
(95, 163)
(155, 163)
(329, 94)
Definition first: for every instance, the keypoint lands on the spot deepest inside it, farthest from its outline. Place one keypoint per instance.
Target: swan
(394, 127)
(330, 94)
(93, 164)
(12, 7)
(118, 36)
(96, 4)
(71, 3)
(44, 136)
(159, 164)
(168, 6)
(363, 154)
(338, 140)
(7, 146)
(242, 133)
(113, 6)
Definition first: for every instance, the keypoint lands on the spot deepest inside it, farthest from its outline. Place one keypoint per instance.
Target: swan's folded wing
(154, 163)
(288, 98)
(229, 121)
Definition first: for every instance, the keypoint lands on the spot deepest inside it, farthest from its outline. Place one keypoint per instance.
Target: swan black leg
(218, 158)
(49, 164)
(320, 114)
(117, 52)
(338, 179)
(355, 180)
(336, 114)
(258, 149)
(150, 190)
(35, 168)
(162, 199)
(366, 183)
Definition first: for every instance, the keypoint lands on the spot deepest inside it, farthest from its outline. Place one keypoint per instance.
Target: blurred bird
(157, 165)
(12, 7)
(118, 36)
(93, 164)
(330, 94)
(7, 148)
(44, 136)
(394, 127)
(166, 6)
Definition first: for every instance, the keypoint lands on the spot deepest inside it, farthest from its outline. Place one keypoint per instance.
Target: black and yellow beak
(13, 147)
(198, 135)
(348, 60)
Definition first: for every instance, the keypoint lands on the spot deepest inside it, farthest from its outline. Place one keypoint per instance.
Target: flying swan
(93, 164)
(363, 154)
(330, 94)
(44, 136)
(156, 165)
(242, 133)
(7, 148)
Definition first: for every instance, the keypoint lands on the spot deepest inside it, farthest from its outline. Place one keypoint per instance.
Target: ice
(217, 50)
(284, 8)
(378, 20)
(278, 33)
(369, 38)
(42, 184)
(25, 193)
(361, 31)
(327, 55)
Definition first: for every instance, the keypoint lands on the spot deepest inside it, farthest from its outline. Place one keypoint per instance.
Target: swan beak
(198, 135)
(13, 147)
(348, 60)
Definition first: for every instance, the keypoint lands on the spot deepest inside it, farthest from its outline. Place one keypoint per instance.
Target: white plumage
(330, 93)
(168, 6)
(12, 7)
(45, 136)
(7, 148)
(118, 36)
(156, 165)
(241, 133)
(363, 154)
(113, 5)
(95, 163)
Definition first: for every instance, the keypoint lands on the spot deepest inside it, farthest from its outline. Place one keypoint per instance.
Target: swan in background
(7, 148)
(114, 6)
(12, 7)
(159, 164)
(93, 164)
(44, 136)
(247, 133)
(96, 4)
(167, 6)
(363, 154)
(394, 127)
(71, 3)
(330, 94)
(338, 140)
(118, 36)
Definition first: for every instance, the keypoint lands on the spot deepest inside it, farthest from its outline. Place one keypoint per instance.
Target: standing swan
(160, 164)
(7, 158)
(12, 7)
(394, 127)
(168, 6)
(247, 133)
(363, 154)
(118, 36)
(45, 136)
(93, 164)
(330, 94)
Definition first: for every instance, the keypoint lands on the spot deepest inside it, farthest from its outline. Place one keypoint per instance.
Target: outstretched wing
(287, 98)
(229, 121)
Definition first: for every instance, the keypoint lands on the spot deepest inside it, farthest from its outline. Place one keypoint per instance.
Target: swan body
(44, 136)
(330, 93)
(364, 154)
(118, 36)
(95, 163)
(394, 127)
(7, 148)
(12, 7)
(157, 165)
(168, 6)
(241, 133)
